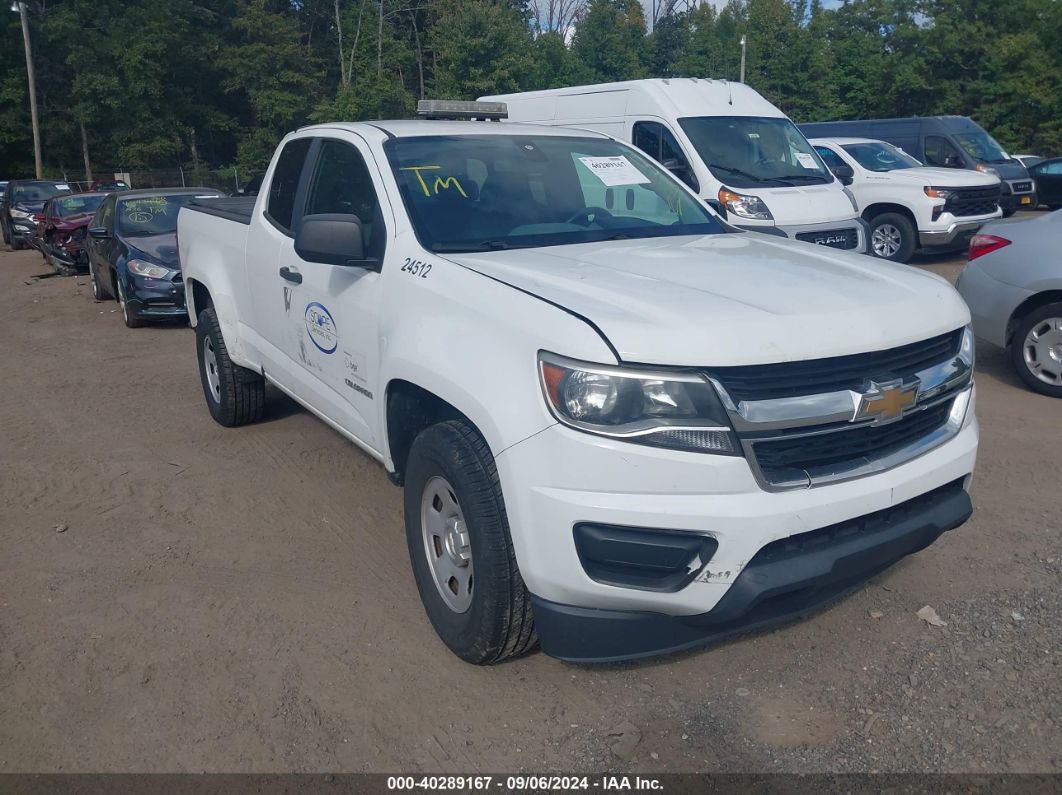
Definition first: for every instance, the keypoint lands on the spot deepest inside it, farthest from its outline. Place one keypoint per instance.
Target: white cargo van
(734, 148)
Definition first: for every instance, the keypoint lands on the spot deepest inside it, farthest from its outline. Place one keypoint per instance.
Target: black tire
(99, 292)
(240, 398)
(886, 226)
(17, 243)
(130, 320)
(1018, 353)
(6, 232)
(498, 624)
(1009, 213)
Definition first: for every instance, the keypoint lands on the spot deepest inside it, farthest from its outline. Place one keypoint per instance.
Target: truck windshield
(880, 156)
(981, 146)
(488, 192)
(753, 151)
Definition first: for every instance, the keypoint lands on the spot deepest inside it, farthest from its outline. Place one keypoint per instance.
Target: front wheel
(1036, 350)
(892, 237)
(460, 548)
(234, 394)
(131, 320)
(99, 292)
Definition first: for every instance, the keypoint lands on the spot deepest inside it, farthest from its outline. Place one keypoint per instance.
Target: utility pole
(20, 7)
(742, 79)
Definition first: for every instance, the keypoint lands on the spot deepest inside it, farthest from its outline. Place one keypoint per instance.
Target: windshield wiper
(485, 245)
(744, 174)
(821, 177)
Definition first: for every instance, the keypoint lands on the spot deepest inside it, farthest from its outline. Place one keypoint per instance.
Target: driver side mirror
(99, 232)
(843, 172)
(333, 239)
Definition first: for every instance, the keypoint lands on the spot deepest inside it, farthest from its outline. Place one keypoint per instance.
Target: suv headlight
(672, 409)
(18, 212)
(744, 206)
(148, 269)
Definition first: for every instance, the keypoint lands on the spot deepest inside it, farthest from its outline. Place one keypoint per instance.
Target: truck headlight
(968, 347)
(672, 409)
(148, 269)
(937, 193)
(744, 206)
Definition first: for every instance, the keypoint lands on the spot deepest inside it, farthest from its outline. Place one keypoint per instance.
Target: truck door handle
(291, 275)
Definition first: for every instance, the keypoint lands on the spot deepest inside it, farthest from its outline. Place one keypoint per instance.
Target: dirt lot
(175, 596)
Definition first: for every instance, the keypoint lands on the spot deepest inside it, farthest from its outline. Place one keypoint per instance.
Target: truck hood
(937, 177)
(803, 204)
(731, 299)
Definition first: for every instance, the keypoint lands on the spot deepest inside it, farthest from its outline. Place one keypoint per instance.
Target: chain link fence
(229, 180)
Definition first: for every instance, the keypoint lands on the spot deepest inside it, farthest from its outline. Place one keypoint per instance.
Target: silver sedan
(1013, 286)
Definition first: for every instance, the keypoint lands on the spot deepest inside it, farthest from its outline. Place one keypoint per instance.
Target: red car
(61, 230)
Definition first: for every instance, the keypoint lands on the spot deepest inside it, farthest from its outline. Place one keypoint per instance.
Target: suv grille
(973, 201)
(1022, 187)
(790, 379)
(834, 238)
(848, 444)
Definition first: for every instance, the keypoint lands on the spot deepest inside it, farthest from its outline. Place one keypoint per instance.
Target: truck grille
(847, 444)
(973, 201)
(790, 379)
(834, 238)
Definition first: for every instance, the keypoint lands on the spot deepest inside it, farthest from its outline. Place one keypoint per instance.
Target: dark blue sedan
(132, 252)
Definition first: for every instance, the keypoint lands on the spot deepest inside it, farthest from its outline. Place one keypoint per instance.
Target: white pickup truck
(907, 205)
(623, 427)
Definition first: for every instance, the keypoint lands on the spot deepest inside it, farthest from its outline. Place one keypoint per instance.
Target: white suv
(908, 205)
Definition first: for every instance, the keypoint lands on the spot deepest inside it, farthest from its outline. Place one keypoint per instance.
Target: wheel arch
(880, 208)
(1030, 304)
(411, 409)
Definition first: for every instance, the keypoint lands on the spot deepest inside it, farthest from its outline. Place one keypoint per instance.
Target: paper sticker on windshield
(614, 171)
(62, 186)
(806, 160)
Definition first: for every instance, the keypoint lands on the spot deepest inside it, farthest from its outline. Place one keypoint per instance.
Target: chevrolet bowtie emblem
(887, 401)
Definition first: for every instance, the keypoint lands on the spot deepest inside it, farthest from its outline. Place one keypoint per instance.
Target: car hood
(160, 248)
(938, 177)
(730, 299)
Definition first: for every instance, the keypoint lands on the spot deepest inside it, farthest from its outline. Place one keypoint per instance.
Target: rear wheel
(99, 292)
(1036, 350)
(460, 547)
(234, 394)
(892, 237)
(17, 243)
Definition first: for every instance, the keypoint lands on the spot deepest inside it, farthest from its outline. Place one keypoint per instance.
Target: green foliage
(168, 83)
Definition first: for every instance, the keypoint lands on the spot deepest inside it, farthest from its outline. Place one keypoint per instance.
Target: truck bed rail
(236, 208)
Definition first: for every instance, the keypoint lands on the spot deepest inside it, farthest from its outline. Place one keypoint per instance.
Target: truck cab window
(285, 182)
(829, 157)
(940, 152)
(341, 184)
(659, 143)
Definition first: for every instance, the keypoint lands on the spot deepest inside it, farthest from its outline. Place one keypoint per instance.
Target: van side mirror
(333, 239)
(99, 232)
(952, 161)
(716, 205)
(843, 172)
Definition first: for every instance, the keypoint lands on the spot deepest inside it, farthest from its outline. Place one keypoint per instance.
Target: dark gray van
(943, 141)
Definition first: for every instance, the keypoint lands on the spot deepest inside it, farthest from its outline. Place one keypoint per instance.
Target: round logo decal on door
(321, 328)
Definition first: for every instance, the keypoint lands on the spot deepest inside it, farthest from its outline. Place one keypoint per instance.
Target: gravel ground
(175, 596)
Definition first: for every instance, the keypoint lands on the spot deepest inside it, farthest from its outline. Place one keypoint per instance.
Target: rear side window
(285, 182)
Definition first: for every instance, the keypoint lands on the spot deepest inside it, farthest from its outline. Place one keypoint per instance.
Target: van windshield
(752, 151)
(880, 156)
(981, 146)
(492, 192)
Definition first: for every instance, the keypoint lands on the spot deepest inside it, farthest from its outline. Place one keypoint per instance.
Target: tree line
(140, 84)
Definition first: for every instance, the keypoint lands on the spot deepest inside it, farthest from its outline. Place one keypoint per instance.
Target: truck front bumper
(958, 232)
(774, 556)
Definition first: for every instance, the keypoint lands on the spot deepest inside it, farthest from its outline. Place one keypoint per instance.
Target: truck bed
(236, 208)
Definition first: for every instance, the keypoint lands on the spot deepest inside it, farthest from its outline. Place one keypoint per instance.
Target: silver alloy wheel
(121, 300)
(95, 283)
(1042, 350)
(447, 545)
(886, 241)
(210, 368)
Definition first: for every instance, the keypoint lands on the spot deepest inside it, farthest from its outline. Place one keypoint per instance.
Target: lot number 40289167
(417, 267)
